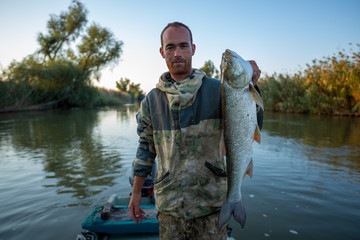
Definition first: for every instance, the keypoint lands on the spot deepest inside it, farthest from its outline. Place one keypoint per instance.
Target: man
(180, 122)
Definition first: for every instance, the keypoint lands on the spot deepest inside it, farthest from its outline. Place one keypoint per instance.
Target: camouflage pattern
(184, 187)
(181, 94)
(199, 228)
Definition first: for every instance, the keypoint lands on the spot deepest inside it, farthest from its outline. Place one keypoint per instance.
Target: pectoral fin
(256, 96)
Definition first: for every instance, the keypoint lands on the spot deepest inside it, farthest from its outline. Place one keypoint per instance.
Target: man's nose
(177, 52)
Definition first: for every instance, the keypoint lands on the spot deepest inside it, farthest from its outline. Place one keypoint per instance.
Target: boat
(112, 219)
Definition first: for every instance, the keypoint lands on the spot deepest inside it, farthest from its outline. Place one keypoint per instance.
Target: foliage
(62, 29)
(30, 82)
(57, 72)
(113, 97)
(136, 92)
(328, 86)
(124, 85)
(97, 49)
(210, 69)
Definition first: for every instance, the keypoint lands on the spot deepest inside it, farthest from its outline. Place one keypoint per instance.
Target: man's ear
(162, 52)
(193, 49)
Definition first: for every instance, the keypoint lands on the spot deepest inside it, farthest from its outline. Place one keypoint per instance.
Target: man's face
(177, 51)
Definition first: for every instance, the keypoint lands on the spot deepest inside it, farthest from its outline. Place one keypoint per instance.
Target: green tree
(62, 29)
(98, 48)
(123, 84)
(133, 89)
(328, 86)
(57, 71)
(210, 69)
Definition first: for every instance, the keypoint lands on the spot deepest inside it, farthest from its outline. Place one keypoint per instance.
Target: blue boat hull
(119, 221)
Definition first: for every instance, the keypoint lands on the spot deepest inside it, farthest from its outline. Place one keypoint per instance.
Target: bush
(325, 87)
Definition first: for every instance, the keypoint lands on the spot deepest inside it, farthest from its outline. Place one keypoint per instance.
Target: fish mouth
(229, 52)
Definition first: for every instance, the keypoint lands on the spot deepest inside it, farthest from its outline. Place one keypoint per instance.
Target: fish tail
(237, 209)
(239, 213)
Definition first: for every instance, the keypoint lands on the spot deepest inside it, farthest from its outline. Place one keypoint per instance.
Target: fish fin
(236, 209)
(249, 169)
(256, 96)
(225, 214)
(239, 213)
(257, 134)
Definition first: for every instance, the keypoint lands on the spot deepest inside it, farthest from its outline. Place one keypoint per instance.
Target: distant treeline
(60, 72)
(328, 86)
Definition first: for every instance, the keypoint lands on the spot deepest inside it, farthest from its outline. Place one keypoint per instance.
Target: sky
(281, 36)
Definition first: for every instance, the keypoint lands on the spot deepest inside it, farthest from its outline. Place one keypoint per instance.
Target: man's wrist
(137, 184)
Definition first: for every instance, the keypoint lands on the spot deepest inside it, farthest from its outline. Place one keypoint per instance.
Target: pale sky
(281, 36)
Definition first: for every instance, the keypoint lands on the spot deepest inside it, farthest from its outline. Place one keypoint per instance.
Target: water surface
(56, 166)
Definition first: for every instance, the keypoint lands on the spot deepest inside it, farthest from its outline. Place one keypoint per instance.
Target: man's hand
(256, 72)
(136, 213)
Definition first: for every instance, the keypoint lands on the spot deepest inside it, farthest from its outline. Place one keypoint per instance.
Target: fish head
(235, 70)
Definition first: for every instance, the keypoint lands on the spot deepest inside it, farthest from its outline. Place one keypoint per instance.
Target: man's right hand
(136, 213)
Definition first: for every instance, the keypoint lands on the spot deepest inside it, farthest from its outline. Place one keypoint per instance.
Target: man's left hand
(256, 71)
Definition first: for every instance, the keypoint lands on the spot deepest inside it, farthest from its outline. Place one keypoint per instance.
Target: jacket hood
(183, 93)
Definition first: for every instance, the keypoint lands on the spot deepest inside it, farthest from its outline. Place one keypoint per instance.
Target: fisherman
(180, 123)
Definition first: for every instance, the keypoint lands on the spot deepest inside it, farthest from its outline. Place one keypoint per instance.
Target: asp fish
(239, 99)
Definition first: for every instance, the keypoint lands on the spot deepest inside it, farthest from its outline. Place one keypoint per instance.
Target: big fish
(239, 99)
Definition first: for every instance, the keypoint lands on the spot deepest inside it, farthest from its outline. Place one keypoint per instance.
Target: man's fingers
(136, 213)
(256, 71)
(139, 214)
(132, 213)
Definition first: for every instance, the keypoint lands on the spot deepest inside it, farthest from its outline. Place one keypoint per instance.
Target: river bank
(108, 98)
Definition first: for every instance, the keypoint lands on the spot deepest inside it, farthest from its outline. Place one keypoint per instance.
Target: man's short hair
(175, 24)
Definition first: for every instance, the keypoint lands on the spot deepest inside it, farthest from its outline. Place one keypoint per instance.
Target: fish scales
(240, 126)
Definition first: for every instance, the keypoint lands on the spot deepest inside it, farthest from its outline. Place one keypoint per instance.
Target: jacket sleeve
(259, 111)
(145, 154)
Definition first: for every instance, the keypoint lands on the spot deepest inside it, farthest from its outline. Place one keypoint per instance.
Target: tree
(210, 69)
(123, 84)
(98, 46)
(62, 29)
(133, 89)
(58, 71)
(98, 49)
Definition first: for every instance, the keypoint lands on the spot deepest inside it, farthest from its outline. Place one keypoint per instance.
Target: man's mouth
(177, 62)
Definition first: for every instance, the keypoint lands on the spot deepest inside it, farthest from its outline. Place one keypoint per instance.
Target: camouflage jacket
(180, 124)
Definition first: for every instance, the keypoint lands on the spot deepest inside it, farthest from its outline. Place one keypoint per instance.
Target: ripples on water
(55, 166)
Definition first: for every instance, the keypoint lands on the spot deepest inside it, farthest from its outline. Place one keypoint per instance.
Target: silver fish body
(239, 99)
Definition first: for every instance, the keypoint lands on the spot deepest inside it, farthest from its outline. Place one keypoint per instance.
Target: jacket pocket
(160, 179)
(215, 170)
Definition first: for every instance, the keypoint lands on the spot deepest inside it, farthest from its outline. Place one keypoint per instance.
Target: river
(56, 166)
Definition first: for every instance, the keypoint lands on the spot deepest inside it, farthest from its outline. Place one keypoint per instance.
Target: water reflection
(74, 155)
(334, 140)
